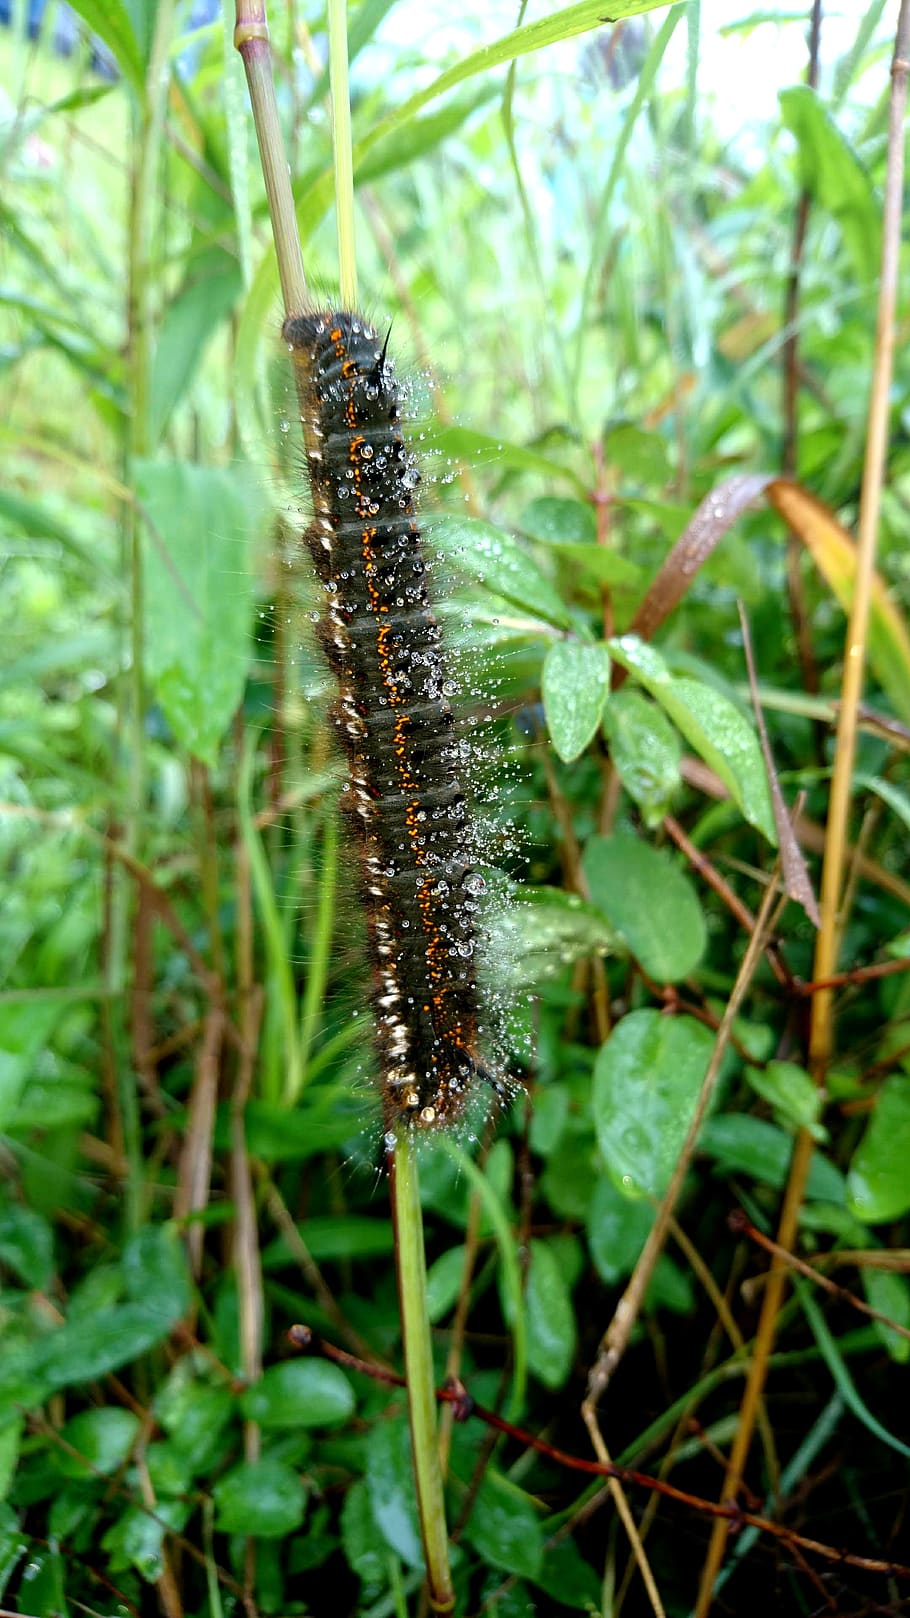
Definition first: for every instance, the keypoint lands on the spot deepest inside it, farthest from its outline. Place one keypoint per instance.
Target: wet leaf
(102, 1438)
(879, 1179)
(263, 1498)
(711, 724)
(498, 562)
(504, 1527)
(390, 1481)
(792, 1093)
(575, 686)
(647, 1078)
(651, 903)
(645, 750)
(299, 1393)
(745, 1145)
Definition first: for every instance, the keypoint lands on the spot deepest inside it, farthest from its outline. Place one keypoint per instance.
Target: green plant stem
(418, 1365)
(149, 127)
(343, 151)
(251, 38)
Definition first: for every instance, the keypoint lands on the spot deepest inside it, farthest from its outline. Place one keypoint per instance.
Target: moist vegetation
(647, 324)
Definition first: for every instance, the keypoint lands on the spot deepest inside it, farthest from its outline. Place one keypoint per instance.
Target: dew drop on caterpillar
(405, 799)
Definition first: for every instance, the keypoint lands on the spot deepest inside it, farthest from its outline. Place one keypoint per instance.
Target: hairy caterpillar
(405, 799)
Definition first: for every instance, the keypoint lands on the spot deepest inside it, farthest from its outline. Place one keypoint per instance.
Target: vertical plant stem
(418, 1364)
(148, 125)
(825, 965)
(343, 151)
(251, 37)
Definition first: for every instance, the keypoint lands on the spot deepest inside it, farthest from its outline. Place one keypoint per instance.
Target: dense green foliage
(588, 278)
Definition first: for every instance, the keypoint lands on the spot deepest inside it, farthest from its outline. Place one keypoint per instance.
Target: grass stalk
(418, 1367)
(343, 151)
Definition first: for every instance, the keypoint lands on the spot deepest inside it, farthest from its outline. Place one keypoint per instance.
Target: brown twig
(741, 1224)
(733, 1515)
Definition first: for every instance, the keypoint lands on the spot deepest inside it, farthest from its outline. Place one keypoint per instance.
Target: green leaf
(645, 750)
(155, 1273)
(84, 1350)
(24, 1031)
(194, 1414)
(390, 1481)
(568, 1578)
(110, 20)
(837, 1366)
(744, 1145)
(544, 931)
(418, 137)
(202, 523)
(504, 1527)
(137, 1538)
(638, 454)
(444, 1278)
(878, 1182)
(711, 725)
(495, 560)
(617, 1230)
(42, 1587)
(553, 520)
(575, 686)
(41, 520)
(480, 449)
(189, 321)
(330, 1237)
(11, 1427)
(650, 902)
(549, 1318)
(13, 1544)
(364, 1547)
(102, 1439)
(647, 1078)
(889, 1293)
(27, 1245)
(299, 1393)
(791, 1092)
(262, 1498)
(834, 177)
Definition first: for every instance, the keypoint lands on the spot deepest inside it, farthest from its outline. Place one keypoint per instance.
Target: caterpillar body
(405, 798)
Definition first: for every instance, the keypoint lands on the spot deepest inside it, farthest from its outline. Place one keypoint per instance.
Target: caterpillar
(404, 800)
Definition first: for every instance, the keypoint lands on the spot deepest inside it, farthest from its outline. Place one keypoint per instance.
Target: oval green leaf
(646, 1083)
(495, 560)
(504, 1527)
(575, 686)
(102, 1440)
(651, 903)
(260, 1498)
(645, 749)
(299, 1393)
(711, 724)
(878, 1182)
